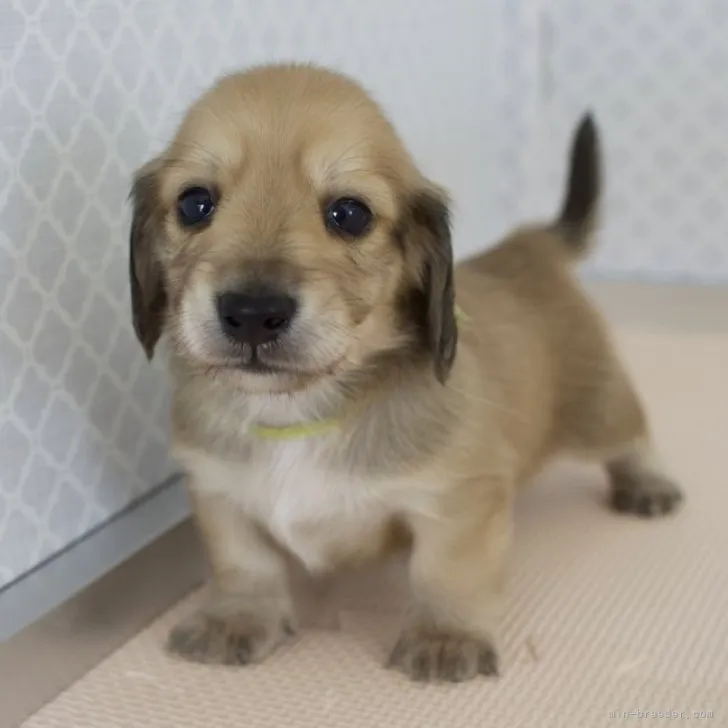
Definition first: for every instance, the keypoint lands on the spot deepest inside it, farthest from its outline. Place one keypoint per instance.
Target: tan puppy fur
(437, 420)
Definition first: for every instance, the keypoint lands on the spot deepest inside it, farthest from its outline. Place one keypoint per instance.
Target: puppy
(332, 401)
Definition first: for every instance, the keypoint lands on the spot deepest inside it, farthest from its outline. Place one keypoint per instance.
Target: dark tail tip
(578, 214)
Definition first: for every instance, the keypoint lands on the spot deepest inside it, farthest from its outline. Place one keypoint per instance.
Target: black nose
(255, 318)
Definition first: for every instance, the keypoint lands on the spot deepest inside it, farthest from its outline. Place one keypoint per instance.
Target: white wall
(88, 91)
(484, 91)
(656, 74)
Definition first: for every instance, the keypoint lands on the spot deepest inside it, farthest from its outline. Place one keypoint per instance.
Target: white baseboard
(49, 585)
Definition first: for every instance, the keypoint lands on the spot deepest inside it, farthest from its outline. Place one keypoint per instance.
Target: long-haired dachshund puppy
(339, 389)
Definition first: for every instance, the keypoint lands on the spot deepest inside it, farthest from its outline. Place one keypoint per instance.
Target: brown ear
(429, 247)
(148, 294)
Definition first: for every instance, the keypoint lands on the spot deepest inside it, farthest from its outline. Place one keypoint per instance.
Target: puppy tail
(578, 217)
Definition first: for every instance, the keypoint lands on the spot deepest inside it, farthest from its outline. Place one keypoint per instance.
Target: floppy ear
(146, 279)
(428, 245)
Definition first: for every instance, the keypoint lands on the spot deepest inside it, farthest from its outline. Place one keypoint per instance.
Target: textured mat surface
(611, 620)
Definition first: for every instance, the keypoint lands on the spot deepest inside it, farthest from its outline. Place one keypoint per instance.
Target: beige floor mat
(611, 620)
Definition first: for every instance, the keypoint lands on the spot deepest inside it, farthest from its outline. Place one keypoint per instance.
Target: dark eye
(348, 217)
(195, 205)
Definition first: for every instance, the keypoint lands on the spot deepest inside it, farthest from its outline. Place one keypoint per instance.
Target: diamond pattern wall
(485, 93)
(656, 74)
(88, 90)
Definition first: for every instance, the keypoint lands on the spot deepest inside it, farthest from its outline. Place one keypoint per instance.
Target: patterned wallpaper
(485, 93)
(88, 90)
(656, 74)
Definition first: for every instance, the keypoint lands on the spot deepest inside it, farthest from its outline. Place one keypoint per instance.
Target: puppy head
(285, 236)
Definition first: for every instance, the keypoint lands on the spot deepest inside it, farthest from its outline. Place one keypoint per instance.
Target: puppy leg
(637, 482)
(610, 425)
(457, 579)
(249, 612)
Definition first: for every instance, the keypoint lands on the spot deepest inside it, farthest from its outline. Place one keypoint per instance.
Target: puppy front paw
(430, 654)
(242, 638)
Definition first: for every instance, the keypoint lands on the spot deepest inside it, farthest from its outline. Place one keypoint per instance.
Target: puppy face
(286, 236)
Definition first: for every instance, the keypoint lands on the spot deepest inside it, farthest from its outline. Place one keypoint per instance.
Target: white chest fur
(318, 514)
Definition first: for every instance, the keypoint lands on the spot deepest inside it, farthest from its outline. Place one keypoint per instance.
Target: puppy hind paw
(648, 495)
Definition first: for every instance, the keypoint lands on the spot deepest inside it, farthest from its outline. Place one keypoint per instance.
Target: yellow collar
(460, 316)
(317, 427)
(292, 432)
